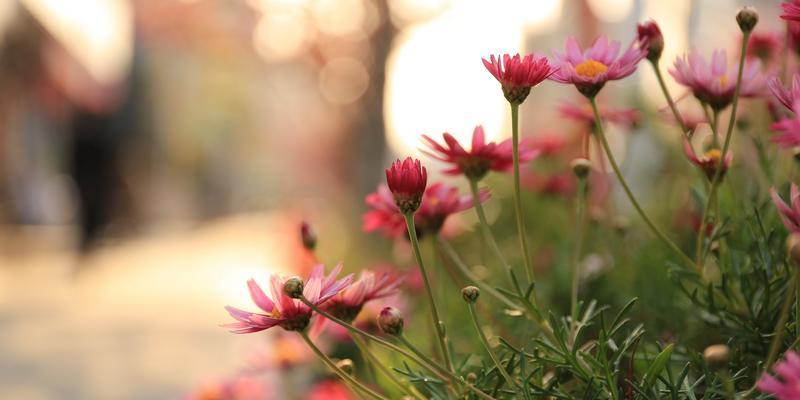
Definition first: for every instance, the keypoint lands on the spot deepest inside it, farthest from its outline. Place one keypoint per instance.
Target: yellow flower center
(591, 68)
(713, 155)
(723, 80)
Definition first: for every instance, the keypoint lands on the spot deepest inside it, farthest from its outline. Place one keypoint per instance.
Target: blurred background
(155, 154)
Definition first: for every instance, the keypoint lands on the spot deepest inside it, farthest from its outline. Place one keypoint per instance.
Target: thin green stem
(523, 237)
(580, 207)
(728, 135)
(343, 375)
(665, 90)
(727, 383)
(373, 359)
(511, 383)
(438, 324)
(715, 128)
(631, 197)
(452, 376)
(453, 255)
(775, 345)
(488, 236)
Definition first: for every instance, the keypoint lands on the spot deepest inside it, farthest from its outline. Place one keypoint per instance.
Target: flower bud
(793, 248)
(649, 36)
(346, 365)
(747, 18)
(581, 167)
(407, 180)
(470, 294)
(390, 321)
(717, 356)
(308, 236)
(472, 377)
(293, 287)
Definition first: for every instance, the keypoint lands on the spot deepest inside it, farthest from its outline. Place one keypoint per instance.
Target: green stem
(438, 324)
(488, 236)
(780, 326)
(402, 338)
(631, 197)
(576, 269)
(523, 237)
(453, 255)
(511, 383)
(671, 103)
(374, 360)
(698, 248)
(734, 106)
(727, 383)
(343, 375)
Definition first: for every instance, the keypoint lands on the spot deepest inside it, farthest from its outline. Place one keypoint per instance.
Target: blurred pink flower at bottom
(785, 384)
(330, 390)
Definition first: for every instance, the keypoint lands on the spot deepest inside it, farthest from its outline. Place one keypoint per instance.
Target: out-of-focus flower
(330, 390)
(407, 180)
(480, 159)
(308, 236)
(789, 129)
(549, 144)
(791, 10)
(517, 75)
(786, 95)
(790, 213)
(793, 30)
(763, 46)
(589, 70)
(785, 385)
(649, 37)
(236, 388)
(623, 116)
(714, 84)
(438, 203)
(709, 161)
(561, 183)
(281, 310)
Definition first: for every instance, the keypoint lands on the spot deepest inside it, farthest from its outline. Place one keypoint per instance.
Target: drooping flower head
(714, 84)
(438, 202)
(709, 161)
(622, 116)
(282, 310)
(649, 37)
(791, 10)
(480, 159)
(589, 70)
(786, 95)
(517, 75)
(763, 46)
(407, 180)
(790, 213)
(785, 384)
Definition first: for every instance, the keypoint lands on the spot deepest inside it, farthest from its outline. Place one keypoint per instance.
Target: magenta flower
(282, 310)
(407, 180)
(785, 385)
(517, 75)
(623, 116)
(791, 10)
(438, 203)
(649, 37)
(790, 213)
(589, 70)
(786, 95)
(789, 129)
(708, 162)
(763, 45)
(480, 159)
(714, 84)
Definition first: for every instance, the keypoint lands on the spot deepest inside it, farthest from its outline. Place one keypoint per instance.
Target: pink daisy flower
(791, 10)
(790, 213)
(623, 116)
(480, 159)
(282, 310)
(789, 129)
(786, 95)
(714, 84)
(517, 75)
(709, 161)
(785, 385)
(589, 70)
(438, 203)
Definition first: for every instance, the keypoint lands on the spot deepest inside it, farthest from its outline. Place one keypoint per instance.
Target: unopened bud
(470, 294)
(308, 236)
(293, 287)
(390, 320)
(581, 167)
(747, 18)
(717, 356)
(346, 365)
(793, 248)
(472, 377)
(649, 36)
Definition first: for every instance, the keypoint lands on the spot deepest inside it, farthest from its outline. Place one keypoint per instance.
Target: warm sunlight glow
(612, 11)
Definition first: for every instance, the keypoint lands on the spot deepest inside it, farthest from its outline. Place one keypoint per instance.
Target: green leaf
(657, 366)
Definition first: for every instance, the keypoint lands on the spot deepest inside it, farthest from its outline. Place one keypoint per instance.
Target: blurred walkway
(134, 320)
